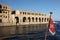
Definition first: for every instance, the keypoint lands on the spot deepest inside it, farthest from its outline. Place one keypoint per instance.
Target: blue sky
(44, 6)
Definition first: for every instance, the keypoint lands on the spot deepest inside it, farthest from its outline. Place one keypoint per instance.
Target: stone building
(27, 21)
(5, 14)
(20, 17)
(27, 17)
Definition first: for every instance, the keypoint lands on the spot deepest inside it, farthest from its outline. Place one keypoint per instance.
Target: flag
(51, 27)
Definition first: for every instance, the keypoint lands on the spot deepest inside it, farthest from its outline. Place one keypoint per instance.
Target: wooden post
(46, 34)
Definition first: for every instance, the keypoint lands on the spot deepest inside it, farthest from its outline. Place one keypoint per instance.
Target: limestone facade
(21, 17)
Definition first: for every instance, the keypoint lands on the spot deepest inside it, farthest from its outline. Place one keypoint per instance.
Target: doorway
(17, 19)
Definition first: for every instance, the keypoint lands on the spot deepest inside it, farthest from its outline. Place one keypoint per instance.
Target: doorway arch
(24, 19)
(17, 19)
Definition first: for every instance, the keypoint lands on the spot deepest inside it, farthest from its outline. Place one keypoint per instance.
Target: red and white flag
(51, 27)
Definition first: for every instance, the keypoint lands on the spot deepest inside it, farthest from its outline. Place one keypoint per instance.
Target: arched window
(42, 19)
(45, 19)
(0, 6)
(32, 19)
(23, 12)
(39, 19)
(36, 19)
(29, 19)
(24, 19)
(0, 11)
(0, 20)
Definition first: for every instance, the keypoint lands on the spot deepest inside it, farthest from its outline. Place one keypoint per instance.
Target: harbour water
(37, 35)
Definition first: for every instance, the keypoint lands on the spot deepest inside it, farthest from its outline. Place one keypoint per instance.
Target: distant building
(5, 14)
(21, 17)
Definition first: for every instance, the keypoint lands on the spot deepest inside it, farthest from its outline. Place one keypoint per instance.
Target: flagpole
(47, 28)
(50, 14)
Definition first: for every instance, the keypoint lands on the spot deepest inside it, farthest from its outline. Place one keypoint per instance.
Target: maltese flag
(51, 27)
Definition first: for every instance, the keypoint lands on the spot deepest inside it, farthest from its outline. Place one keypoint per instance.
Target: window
(42, 19)
(0, 11)
(6, 16)
(0, 6)
(45, 19)
(23, 12)
(0, 20)
(13, 12)
(36, 13)
(28, 13)
(5, 12)
(20, 12)
(39, 14)
(0, 15)
(4, 7)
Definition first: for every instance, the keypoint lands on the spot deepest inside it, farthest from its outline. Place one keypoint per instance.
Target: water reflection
(30, 32)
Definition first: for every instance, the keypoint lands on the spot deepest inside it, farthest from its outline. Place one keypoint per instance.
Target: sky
(44, 6)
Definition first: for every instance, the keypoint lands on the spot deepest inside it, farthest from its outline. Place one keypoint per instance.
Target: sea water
(38, 35)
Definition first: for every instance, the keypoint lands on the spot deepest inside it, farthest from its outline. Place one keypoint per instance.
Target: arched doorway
(17, 19)
(36, 19)
(24, 19)
(17, 28)
(45, 19)
(32, 19)
(42, 19)
(29, 19)
(39, 19)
